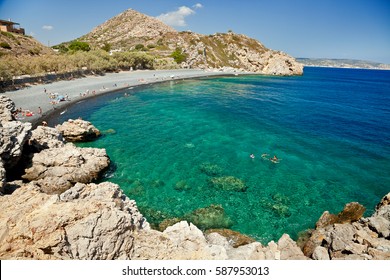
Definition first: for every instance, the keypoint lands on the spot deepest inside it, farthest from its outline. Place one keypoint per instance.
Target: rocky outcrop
(86, 222)
(78, 130)
(13, 136)
(355, 238)
(56, 170)
(44, 137)
(7, 108)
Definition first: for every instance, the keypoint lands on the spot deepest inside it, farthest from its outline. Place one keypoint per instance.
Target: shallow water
(330, 129)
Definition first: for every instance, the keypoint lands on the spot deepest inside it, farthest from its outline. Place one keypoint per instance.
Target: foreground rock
(78, 130)
(86, 222)
(7, 108)
(352, 238)
(56, 170)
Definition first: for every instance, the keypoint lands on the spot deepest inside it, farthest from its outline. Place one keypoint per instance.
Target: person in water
(252, 156)
(274, 159)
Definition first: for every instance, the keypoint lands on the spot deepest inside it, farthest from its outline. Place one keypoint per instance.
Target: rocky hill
(342, 63)
(17, 44)
(132, 30)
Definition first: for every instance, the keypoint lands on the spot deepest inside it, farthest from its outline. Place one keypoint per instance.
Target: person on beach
(40, 110)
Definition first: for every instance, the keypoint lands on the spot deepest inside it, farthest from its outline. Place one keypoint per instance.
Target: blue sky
(357, 29)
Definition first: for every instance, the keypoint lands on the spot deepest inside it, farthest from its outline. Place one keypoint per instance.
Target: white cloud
(47, 27)
(178, 17)
(197, 6)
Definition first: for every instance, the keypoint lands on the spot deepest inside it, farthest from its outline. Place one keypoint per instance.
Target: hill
(17, 45)
(342, 63)
(132, 30)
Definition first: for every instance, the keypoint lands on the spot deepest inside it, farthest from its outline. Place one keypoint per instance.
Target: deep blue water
(174, 145)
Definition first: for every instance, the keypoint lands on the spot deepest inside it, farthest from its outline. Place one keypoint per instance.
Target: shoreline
(38, 96)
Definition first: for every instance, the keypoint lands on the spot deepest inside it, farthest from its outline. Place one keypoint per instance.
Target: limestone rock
(78, 130)
(13, 136)
(2, 176)
(320, 253)
(58, 169)
(86, 222)
(234, 238)
(352, 212)
(7, 108)
(279, 63)
(289, 250)
(44, 137)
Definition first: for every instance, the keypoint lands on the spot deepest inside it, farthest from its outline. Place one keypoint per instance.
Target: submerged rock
(213, 216)
(58, 169)
(228, 183)
(210, 169)
(78, 130)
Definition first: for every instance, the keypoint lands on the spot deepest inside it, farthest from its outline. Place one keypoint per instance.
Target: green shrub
(140, 47)
(106, 47)
(5, 45)
(179, 56)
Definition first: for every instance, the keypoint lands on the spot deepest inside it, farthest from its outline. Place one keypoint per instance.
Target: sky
(358, 29)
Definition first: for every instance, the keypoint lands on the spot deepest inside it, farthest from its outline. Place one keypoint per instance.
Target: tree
(79, 46)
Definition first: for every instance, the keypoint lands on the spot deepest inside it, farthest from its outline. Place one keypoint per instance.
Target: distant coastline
(343, 63)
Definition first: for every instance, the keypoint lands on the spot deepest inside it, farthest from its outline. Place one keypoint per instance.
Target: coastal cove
(175, 146)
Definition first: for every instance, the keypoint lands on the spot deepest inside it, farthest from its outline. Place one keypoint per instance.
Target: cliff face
(132, 30)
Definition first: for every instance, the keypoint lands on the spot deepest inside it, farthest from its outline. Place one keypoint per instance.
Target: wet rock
(228, 183)
(58, 169)
(78, 130)
(86, 222)
(234, 238)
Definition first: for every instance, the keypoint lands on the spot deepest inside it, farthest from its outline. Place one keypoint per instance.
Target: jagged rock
(352, 212)
(13, 136)
(7, 108)
(289, 250)
(78, 130)
(44, 137)
(349, 238)
(320, 253)
(58, 169)
(86, 222)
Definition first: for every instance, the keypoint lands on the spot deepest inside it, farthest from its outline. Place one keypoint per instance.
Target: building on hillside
(9, 26)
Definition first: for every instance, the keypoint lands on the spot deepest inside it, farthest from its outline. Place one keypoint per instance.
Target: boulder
(234, 238)
(320, 253)
(44, 137)
(13, 136)
(58, 169)
(352, 212)
(86, 222)
(78, 130)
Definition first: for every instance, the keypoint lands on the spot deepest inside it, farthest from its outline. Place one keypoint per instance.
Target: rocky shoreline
(52, 208)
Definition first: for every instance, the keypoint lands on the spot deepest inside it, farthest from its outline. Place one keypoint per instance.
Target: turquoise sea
(180, 146)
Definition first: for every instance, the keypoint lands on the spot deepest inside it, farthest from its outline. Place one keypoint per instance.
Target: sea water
(175, 146)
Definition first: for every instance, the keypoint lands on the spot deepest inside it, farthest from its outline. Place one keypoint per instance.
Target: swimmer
(264, 156)
(274, 159)
(252, 156)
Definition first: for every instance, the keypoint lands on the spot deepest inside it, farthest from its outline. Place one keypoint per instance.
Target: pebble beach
(40, 100)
